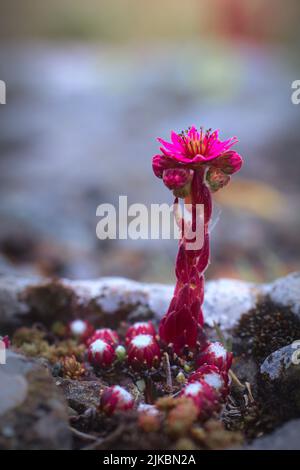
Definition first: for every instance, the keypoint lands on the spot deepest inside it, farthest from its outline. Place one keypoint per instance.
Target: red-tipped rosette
(106, 334)
(143, 352)
(140, 328)
(215, 354)
(80, 329)
(101, 354)
(217, 379)
(114, 399)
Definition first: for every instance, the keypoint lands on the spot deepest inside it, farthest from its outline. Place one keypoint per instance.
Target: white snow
(193, 388)
(78, 327)
(125, 396)
(218, 349)
(142, 341)
(214, 380)
(98, 346)
(148, 409)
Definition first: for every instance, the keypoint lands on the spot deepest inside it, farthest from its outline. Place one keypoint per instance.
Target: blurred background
(91, 84)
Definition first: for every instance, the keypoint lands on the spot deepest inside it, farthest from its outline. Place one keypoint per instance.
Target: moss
(265, 329)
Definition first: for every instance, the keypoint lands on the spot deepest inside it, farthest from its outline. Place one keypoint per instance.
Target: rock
(286, 291)
(283, 365)
(81, 395)
(33, 412)
(226, 300)
(280, 374)
(284, 438)
(109, 300)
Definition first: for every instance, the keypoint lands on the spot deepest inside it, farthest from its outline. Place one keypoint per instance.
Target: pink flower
(143, 351)
(114, 399)
(140, 328)
(106, 334)
(194, 150)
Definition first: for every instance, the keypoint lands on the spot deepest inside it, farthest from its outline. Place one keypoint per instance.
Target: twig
(236, 380)
(83, 435)
(248, 386)
(105, 441)
(167, 366)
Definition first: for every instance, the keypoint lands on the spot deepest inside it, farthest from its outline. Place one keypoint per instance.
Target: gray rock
(284, 438)
(111, 299)
(81, 395)
(108, 300)
(33, 412)
(283, 365)
(286, 291)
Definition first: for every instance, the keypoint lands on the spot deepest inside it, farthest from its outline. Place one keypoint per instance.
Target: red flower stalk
(140, 328)
(80, 329)
(101, 354)
(143, 351)
(114, 399)
(215, 354)
(194, 164)
(106, 334)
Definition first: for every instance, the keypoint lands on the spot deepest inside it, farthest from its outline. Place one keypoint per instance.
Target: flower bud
(143, 351)
(120, 352)
(178, 180)
(114, 399)
(101, 354)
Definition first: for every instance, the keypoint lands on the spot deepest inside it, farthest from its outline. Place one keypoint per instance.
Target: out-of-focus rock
(109, 300)
(280, 373)
(283, 365)
(81, 395)
(286, 291)
(284, 438)
(33, 412)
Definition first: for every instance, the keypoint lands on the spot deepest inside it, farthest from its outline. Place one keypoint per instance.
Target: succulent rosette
(80, 329)
(114, 399)
(143, 351)
(205, 397)
(101, 353)
(140, 328)
(106, 334)
(215, 354)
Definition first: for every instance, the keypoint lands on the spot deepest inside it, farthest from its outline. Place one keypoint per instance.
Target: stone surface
(33, 412)
(283, 365)
(81, 395)
(111, 299)
(284, 438)
(286, 291)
